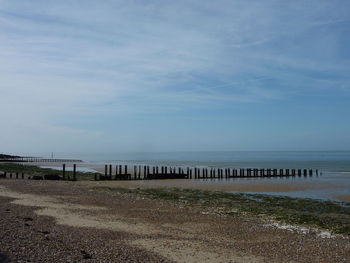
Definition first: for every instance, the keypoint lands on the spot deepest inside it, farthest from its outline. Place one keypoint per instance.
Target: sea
(333, 182)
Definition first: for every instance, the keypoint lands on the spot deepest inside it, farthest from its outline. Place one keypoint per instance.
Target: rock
(4, 258)
(85, 254)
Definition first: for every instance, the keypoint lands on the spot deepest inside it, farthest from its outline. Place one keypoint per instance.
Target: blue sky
(90, 76)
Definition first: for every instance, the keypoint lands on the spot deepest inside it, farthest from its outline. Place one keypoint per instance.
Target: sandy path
(162, 232)
(176, 247)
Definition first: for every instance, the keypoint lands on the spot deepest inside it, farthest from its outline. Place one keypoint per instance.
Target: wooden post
(144, 172)
(305, 172)
(64, 171)
(106, 170)
(120, 169)
(274, 172)
(191, 173)
(22, 175)
(74, 172)
(95, 176)
(139, 175)
(310, 172)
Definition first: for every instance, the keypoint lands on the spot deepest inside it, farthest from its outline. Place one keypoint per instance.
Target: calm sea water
(338, 161)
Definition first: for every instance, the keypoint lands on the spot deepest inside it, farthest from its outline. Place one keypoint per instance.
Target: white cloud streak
(89, 59)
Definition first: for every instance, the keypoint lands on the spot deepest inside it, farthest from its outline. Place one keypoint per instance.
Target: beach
(75, 222)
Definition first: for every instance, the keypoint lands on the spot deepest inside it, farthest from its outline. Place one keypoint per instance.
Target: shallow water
(79, 169)
(328, 186)
(324, 160)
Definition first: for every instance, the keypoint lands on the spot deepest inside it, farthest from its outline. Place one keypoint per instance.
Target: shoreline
(334, 187)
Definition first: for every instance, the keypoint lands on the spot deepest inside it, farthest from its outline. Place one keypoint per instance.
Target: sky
(158, 75)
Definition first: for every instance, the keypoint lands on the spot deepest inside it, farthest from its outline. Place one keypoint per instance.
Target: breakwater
(139, 172)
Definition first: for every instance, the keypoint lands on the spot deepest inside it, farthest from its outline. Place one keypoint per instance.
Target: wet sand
(243, 185)
(344, 198)
(70, 222)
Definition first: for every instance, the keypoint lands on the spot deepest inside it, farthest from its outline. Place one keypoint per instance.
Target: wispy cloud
(97, 60)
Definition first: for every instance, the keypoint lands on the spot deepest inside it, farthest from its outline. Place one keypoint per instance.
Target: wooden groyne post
(146, 172)
(74, 172)
(64, 171)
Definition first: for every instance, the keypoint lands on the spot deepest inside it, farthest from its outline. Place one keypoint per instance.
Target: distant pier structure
(28, 159)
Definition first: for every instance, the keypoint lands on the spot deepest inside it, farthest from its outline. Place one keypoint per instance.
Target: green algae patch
(326, 215)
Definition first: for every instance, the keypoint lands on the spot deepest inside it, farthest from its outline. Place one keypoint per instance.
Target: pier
(28, 159)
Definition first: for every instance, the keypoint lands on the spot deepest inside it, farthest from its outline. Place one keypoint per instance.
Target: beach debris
(85, 254)
(52, 177)
(37, 177)
(44, 232)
